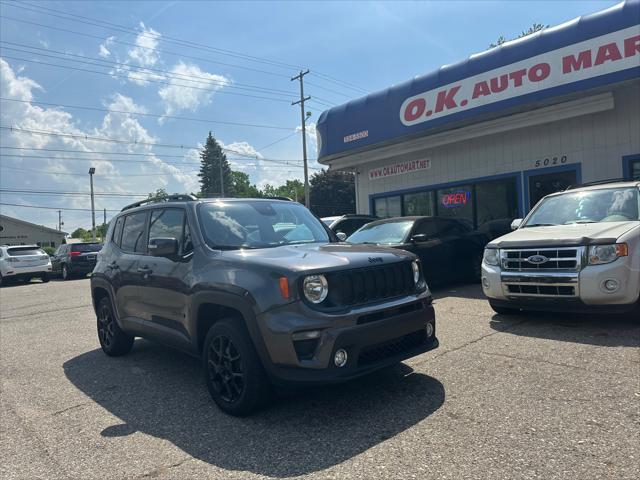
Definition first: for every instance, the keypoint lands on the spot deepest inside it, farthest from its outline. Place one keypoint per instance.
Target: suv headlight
(415, 267)
(315, 288)
(491, 256)
(599, 254)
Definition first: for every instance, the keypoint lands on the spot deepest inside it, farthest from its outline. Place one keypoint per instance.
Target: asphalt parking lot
(504, 397)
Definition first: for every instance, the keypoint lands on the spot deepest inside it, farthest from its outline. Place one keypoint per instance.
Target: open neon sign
(455, 199)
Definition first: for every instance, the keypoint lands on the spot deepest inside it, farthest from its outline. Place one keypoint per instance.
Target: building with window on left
(18, 232)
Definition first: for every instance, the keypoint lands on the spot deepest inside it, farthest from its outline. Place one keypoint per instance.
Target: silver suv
(577, 250)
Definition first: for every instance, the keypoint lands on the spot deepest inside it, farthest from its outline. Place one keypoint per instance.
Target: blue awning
(584, 53)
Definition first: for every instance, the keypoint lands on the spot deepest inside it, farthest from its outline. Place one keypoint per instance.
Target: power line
(129, 142)
(127, 67)
(194, 45)
(112, 74)
(50, 172)
(54, 208)
(143, 114)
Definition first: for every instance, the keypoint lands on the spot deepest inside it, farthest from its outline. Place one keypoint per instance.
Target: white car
(23, 262)
(577, 250)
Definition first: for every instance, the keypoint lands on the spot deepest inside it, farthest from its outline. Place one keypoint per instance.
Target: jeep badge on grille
(375, 259)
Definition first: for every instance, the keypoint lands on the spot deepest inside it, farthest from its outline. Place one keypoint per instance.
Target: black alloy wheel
(113, 340)
(66, 275)
(225, 369)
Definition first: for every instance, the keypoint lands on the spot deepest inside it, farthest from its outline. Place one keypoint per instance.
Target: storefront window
(635, 170)
(496, 202)
(419, 204)
(388, 207)
(456, 202)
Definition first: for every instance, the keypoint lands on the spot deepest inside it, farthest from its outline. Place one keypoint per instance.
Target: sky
(133, 88)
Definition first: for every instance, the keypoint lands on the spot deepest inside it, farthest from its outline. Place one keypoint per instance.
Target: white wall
(597, 141)
(18, 233)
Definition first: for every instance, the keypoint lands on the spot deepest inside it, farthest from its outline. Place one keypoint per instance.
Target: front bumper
(577, 290)
(391, 332)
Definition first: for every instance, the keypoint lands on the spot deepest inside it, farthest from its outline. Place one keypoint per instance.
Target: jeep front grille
(366, 285)
(541, 259)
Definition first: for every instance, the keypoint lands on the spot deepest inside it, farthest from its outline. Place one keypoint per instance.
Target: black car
(261, 290)
(347, 224)
(75, 259)
(449, 249)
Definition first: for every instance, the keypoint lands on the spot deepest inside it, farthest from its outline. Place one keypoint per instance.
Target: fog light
(485, 282)
(306, 335)
(610, 285)
(340, 358)
(429, 329)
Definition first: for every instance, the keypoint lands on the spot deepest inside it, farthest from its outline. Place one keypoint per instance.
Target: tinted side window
(133, 233)
(167, 222)
(427, 227)
(117, 231)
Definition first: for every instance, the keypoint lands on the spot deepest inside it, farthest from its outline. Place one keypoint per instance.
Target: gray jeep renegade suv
(260, 290)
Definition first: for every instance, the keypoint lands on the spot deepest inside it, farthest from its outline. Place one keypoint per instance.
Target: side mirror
(163, 247)
(516, 224)
(341, 236)
(420, 237)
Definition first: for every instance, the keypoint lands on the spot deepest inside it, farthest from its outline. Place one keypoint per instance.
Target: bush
(49, 250)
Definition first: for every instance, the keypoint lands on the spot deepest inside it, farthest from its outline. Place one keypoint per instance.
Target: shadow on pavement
(459, 290)
(602, 329)
(161, 392)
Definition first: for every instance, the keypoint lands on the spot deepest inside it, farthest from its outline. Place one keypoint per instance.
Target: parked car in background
(347, 224)
(76, 259)
(449, 249)
(576, 250)
(23, 262)
(260, 291)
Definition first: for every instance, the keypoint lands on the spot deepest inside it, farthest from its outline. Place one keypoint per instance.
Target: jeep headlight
(491, 256)
(599, 254)
(415, 267)
(315, 288)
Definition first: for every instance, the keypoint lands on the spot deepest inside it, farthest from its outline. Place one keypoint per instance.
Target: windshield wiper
(540, 225)
(581, 221)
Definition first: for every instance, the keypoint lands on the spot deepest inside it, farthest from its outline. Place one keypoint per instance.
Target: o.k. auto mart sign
(399, 169)
(606, 54)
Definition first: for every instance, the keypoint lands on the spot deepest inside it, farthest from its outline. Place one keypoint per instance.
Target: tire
(65, 273)
(234, 374)
(45, 278)
(113, 340)
(503, 310)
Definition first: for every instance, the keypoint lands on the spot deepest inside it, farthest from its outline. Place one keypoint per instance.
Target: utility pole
(59, 220)
(104, 224)
(221, 180)
(92, 170)
(303, 115)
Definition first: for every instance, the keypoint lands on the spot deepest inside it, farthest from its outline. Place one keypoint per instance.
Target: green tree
(293, 189)
(212, 156)
(536, 27)
(159, 194)
(242, 186)
(332, 193)
(81, 233)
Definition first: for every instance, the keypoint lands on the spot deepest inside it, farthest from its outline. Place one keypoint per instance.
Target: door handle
(145, 270)
(113, 265)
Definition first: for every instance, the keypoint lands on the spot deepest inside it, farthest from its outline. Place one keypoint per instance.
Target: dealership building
(484, 139)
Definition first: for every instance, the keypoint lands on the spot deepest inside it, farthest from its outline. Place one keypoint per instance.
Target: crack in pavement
(42, 311)
(162, 469)
(557, 364)
(70, 408)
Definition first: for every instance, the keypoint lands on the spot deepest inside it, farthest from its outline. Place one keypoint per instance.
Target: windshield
(86, 247)
(258, 224)
(590, 206)
(386, 233)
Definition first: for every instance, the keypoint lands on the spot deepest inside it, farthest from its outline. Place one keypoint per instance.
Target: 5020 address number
(551, 161)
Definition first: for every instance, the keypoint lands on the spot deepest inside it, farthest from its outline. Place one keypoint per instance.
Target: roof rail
(598, 182)
(281, 198)
(169, 198)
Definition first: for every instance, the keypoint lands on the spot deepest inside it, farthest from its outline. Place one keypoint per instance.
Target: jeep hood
(319, 257)
(565, 235)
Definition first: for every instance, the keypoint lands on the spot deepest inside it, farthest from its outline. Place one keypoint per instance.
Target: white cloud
(145, 52)
(112, 176)
(104, 47)
(312, 136)
(177, 98)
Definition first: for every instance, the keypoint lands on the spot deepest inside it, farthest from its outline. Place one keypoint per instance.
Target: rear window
(86, 247)
(19, 251)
